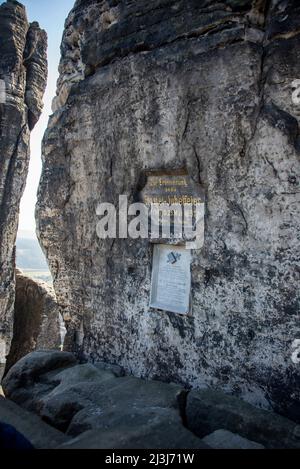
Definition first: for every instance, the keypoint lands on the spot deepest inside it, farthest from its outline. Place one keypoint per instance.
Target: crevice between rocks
(182, 404)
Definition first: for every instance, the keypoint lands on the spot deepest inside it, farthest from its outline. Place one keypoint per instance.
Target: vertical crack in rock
(25, 82)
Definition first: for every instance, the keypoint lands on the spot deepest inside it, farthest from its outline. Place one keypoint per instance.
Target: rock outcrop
(23, 74)
(210, 410)
(209, 87)
(37, 323)
(99, 408)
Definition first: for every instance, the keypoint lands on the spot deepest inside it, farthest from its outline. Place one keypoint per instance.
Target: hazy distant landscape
(30, 257)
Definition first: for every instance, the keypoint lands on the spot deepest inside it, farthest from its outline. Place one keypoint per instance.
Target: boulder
(23, 76)
(75, 398)
(126, 400)
(84, 397)
(160, 429)
(209, 410)
(24, 381)
(73, 389)
(223, 439)
(98, 408)
(37, 324)
(117, 370)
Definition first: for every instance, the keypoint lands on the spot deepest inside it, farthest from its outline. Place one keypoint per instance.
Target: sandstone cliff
(201, 85)
(36, 320)
(23, 73)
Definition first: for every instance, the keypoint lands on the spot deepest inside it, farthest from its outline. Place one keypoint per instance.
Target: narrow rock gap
(182, 403)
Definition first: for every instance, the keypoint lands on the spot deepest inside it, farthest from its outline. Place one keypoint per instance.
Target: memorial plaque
(171, 197)
(175, 187)
(2, 351)
(171, 279)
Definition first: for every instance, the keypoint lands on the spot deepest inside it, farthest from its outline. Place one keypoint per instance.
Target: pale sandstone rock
(23, 69)
(207, 411)
(163, 85)
(37, 323)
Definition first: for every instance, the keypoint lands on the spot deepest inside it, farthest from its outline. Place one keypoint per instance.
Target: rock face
(23, 73)
(163, 85)
(37, 322)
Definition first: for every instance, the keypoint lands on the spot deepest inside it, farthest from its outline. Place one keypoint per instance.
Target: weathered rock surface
(205, 86)
(208, 411)
(40, 435)
(164, 430)
(99, 409)
(223, 439)
(23, 73)
(75, 398)
(37, 323)
(19, 384)
(105, 410)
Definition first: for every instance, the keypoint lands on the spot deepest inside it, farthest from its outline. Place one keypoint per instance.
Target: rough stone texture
(85, 397)
(100, 409)
(23, 69)
(106, 410)
(223, 439)
(168, 84)
(36, 319)
(210, 410)
(19, 382)
(164, 431)
(117, 370)
(40, 435)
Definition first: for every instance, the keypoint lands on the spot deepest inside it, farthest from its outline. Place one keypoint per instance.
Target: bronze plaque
(171, 188)
(177, 189)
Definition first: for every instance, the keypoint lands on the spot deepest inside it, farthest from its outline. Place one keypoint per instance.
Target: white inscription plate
(171, 278)
(2, 92)
(2, 351)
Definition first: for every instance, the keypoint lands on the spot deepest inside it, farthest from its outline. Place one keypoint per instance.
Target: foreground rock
(40, 435)
(97, 403)
(23, 74)
(75, 398)
(99, 408)
(223, 439)
(36, 319)
(209, 410)
(163, 430)
(21, 384)
(206, 87)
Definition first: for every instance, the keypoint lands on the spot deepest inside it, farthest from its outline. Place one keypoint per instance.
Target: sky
(51, 15)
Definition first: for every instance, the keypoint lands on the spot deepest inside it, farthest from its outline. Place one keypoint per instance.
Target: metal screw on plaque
(2, 92)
